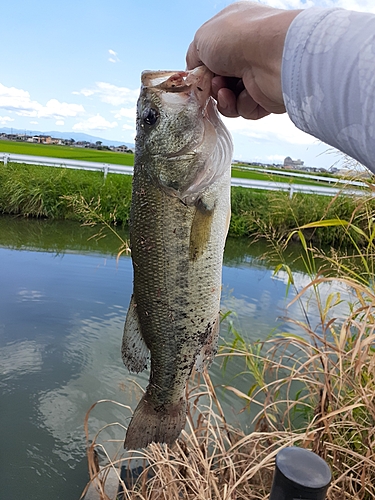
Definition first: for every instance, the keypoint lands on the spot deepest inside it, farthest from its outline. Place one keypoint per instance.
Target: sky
(75, 66)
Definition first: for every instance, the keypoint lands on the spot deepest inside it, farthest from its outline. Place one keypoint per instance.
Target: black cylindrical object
(300, 474)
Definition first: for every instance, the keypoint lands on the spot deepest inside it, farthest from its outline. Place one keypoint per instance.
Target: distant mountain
(77, 136)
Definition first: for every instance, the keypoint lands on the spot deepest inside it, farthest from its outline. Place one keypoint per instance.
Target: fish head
(181, 141)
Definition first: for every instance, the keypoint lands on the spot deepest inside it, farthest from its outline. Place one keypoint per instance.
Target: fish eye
(150, 116)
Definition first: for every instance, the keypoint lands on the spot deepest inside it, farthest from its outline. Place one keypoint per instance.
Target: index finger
(192, 57)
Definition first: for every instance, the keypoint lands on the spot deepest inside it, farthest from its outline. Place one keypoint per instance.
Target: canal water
(63, 299)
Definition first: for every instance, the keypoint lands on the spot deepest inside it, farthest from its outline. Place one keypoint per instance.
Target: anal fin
(135, 353)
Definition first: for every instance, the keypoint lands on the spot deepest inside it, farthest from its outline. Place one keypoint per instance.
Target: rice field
(275, 177)
(102, 156)
(73, 153)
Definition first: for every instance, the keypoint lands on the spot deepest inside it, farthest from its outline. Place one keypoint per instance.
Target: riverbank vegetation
(35, 191)
(313, 389)
(60, 193)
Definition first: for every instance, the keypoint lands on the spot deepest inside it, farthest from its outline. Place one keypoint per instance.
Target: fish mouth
(197, 80)
(169, 81)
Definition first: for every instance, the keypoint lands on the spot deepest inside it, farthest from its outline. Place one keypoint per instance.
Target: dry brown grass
(315, 390)
(324, 381)
(322, 386)
(211, 460)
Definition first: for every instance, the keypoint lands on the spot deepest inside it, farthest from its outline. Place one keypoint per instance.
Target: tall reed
(314, 389)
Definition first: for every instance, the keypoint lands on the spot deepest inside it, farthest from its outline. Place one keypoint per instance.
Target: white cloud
(272, 127)
(19, 100)
(111, 94)
(57, 109)
(94, 123)
(60, 122)
(12, 98)
(5, 119)
(126, 113)
(114, 96)
(276, 158)
(30, 295)
(289, 4)
(128, 127)
(113, 56)
(358, 5)
(85, 92)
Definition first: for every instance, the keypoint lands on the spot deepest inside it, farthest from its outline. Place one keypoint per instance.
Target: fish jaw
(197, 81)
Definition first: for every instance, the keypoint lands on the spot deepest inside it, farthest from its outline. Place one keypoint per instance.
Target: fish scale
(167, 289)
(177, 237)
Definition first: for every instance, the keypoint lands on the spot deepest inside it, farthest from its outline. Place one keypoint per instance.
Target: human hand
(243, 46)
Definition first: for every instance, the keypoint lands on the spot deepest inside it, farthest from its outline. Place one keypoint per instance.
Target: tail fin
(161, 425)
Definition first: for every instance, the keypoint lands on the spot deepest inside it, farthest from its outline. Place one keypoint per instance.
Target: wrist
(271, 40)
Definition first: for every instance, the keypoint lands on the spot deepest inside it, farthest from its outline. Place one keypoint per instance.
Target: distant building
(44, 139)
(56, 140)
(289, 163)
(121, 149)
(84, 144)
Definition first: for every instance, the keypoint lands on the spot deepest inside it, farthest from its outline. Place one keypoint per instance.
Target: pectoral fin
(200, 229)
(135, 353)
(209, 349)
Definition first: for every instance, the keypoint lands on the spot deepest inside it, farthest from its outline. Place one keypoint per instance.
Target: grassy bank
(35, 191)
(68, 152)
(273, 214)
(310, 386)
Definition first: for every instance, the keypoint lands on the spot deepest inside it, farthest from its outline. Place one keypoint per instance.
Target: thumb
(192, 57)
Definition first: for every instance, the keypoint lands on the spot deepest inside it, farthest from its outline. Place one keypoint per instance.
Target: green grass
(73, 153)
(273, 214)
(84, 154)
(263, 176)
(37, 191)
(288, 169)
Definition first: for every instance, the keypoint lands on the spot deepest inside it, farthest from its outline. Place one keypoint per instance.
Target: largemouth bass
(179, 219)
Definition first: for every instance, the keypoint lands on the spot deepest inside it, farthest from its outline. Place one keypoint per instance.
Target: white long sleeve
(328, 79)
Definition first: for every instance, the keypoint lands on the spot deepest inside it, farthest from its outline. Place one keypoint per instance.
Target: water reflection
(63, 300)
(94, 344)
(56, 236)
(20, 358)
